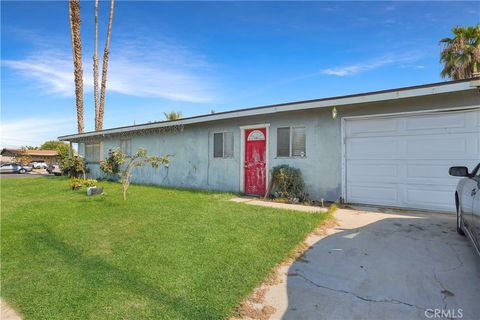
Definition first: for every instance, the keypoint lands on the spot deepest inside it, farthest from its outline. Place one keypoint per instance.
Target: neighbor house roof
(391, 94)
(29, 152)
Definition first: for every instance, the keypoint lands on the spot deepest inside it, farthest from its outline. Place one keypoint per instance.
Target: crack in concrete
(388, 300)
(458, 259)
(444, 290)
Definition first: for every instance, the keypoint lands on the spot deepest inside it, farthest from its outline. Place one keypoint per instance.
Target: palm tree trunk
(74, 12)
(104, 70)
(95, 68)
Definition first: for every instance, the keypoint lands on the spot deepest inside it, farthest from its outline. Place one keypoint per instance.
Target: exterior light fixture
(334, 113)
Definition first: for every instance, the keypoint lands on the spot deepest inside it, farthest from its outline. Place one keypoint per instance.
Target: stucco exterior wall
(191, 151)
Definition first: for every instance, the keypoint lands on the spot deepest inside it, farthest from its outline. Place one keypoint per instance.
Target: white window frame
(290, 146)
(223, 145)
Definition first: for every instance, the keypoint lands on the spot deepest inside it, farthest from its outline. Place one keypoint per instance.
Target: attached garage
(402, 160)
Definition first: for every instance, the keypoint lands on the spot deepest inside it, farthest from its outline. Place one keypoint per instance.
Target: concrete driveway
(382, 266)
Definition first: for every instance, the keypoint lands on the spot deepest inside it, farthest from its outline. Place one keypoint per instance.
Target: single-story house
(389, 148)
(47, 156)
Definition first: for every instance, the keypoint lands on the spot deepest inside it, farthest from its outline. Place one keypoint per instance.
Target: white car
(467, 201)
(39, 165)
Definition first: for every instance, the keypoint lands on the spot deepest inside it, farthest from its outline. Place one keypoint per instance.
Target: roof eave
(401, 93)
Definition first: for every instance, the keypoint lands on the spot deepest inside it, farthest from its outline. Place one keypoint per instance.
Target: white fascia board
(381, 96)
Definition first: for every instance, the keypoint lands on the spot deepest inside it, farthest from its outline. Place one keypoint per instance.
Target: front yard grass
(163, 254)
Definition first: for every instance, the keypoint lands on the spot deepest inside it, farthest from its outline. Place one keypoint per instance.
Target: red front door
(255, 161)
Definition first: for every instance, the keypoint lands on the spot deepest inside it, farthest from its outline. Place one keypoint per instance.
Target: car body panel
(468, 193)
(14, 168)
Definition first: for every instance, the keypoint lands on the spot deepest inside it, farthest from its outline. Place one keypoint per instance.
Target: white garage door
(403, 161)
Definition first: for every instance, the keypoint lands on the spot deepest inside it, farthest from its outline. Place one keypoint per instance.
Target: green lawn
(164, 253)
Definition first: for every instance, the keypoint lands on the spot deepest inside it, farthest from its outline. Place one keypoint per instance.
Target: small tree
(114, 164)
(74, 167)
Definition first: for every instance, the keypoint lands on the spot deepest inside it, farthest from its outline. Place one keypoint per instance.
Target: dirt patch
(7, 312)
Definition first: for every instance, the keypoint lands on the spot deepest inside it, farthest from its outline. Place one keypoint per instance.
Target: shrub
(75, 183)
(287, 182)
(90, 183)
(74, 167)
(78, 183)
(111, 165)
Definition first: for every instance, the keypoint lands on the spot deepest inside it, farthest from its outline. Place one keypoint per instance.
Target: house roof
(390, 94)
(29, 152)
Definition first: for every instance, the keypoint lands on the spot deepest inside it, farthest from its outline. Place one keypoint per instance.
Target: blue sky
(195, 57)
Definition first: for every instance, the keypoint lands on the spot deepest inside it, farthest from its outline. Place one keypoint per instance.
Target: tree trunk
(104, 70)
(95, 68)
(74, 12)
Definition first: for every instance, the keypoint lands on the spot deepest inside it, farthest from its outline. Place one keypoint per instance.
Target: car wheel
(459, 220)
(22, 171)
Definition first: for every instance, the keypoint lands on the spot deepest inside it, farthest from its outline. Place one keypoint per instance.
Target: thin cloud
(356, 68)
(33, 131)
(161, 70)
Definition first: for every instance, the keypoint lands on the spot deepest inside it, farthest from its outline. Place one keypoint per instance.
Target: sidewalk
(278, 205)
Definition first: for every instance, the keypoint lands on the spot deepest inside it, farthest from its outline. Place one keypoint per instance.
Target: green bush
(74, 167)
(287, 182)
(90, 182)
(78, 183)
(75, 183)
(111, 165)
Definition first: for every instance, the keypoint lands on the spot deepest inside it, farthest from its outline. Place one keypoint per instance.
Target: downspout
(208, 159)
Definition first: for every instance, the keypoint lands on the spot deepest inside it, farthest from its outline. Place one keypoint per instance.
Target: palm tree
(99, 122)
(74, 13)
(173, 115)
(461, 54)
(95, 67)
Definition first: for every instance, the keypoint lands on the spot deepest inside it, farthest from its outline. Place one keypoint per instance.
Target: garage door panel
(362, 169)
(430, 146)
(363, 147)
(414, 173)
(408, 167)
(369, 126)
(438, 121)
(440, 145)
(426, 197)
(386, 194)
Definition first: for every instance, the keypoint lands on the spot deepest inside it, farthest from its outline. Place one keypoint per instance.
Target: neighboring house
(390, 148)
(47, 156)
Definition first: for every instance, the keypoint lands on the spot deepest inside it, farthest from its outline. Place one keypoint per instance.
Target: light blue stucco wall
(191, 151)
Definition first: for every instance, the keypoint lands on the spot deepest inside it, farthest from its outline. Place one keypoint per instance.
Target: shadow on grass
(96, 271)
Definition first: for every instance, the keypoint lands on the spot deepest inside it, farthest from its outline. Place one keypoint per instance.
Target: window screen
(283, 142)
(298, 142)
(218, 145)
(223, 145)
(291, 142)
(126, 146)
(92, 152)
(228, 144)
